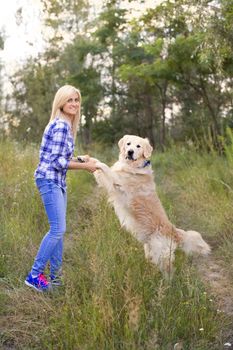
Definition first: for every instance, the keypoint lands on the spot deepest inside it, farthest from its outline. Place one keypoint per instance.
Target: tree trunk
(163, 96)
(150, 118)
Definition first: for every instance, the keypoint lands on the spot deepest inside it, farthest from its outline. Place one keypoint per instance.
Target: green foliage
(228, 146)
(104, 132)
(38, 81)
(112, 19)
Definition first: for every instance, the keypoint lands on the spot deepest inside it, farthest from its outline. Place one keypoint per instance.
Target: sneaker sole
(34, 287)
(56, 284)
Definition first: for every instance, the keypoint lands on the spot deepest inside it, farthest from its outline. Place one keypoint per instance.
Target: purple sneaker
(39, 283)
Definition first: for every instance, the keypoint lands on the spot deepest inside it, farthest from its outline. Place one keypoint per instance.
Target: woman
(56, 153)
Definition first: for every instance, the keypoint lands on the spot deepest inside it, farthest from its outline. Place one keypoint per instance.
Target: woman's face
(71, 107)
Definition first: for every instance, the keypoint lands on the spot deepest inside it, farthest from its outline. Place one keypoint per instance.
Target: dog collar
(146, 163)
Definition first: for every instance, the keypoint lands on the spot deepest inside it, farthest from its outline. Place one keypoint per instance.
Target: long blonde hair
(60, 98)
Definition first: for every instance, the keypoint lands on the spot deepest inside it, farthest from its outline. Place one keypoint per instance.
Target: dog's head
(134, 149)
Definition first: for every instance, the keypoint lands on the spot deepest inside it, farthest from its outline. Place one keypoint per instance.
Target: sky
(23, 35)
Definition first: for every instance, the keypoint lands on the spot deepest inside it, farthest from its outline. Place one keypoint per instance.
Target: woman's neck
(69, 119)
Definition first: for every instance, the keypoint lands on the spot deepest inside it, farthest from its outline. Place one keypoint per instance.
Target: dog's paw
(92, 159)
(101, 166)
(82, 159)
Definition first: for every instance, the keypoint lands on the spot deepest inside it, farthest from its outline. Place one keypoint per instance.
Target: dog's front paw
(98, 174)
(101, 166)
(82, 159)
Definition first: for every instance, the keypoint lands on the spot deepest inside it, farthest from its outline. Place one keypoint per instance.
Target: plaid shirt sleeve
(59, 158)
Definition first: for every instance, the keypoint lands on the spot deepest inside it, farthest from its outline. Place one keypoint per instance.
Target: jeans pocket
(44, 186)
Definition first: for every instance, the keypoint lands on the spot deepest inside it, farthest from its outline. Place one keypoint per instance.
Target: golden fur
(131, 190)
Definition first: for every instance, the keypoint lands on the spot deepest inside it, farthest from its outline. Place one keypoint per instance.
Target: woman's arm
(58, 156)
(89, 165)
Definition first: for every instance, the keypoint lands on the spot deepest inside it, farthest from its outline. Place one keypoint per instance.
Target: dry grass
(113, 298)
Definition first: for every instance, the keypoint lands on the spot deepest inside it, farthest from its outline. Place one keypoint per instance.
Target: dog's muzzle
(130, 154)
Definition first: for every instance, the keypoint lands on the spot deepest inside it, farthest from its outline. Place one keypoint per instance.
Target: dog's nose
(130, 152)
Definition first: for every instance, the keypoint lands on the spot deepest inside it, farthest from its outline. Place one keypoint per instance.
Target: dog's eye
(138, 146)
(128, 143)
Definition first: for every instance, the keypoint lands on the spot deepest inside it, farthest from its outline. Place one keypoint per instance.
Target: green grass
(113, 298)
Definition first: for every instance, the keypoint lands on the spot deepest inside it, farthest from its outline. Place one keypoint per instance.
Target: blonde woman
(56, 154)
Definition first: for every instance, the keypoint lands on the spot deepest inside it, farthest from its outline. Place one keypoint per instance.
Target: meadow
(113, 299)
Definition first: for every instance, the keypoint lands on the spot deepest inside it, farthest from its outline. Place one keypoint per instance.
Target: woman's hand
(81, 159)
(87, 163)
(91, 166)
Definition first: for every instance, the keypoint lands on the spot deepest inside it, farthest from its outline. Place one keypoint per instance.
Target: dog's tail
(192, 242)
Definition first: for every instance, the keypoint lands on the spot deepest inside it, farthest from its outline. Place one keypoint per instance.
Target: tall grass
(113, 298)
(228, 146)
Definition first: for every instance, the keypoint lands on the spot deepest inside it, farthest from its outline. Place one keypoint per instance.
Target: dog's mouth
(130, 157)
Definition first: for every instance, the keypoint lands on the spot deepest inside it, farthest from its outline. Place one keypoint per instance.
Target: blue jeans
(51, 248)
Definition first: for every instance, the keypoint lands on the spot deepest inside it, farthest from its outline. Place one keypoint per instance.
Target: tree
(172, 36)
(34, 88)
(78, 64)
(176, 57)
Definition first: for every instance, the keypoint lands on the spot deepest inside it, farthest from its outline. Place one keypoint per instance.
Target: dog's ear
(147, 149)
(121, 142)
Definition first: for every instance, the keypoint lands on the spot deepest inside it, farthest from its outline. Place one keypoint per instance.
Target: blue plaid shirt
(56, 150)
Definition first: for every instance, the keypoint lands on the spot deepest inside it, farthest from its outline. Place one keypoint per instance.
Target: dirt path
(219, 284)
(216, 278)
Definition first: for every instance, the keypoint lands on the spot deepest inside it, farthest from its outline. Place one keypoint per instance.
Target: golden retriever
(130, 186)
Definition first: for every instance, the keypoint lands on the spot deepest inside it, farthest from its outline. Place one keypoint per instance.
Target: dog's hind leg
(161, 252)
